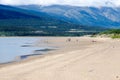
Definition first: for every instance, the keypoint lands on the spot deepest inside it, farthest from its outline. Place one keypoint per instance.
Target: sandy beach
(80, 58)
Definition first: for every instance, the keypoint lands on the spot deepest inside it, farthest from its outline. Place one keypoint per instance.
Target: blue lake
(12, 47)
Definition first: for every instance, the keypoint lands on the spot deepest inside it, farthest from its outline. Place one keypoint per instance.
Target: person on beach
(69, 39)
(94, 41)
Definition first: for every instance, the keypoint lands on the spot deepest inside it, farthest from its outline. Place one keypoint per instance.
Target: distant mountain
(10, 16)
(13, 12)
(8, 12)
(93, 16)
(32, 20)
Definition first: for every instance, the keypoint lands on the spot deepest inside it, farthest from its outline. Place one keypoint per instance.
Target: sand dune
(75, 60)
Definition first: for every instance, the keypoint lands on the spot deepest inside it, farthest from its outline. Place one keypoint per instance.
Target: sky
(63, 2)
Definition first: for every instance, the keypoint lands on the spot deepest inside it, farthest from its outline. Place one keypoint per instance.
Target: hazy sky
(64, 2)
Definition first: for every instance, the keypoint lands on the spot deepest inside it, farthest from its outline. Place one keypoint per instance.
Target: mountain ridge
(93, 16)
(15, 21)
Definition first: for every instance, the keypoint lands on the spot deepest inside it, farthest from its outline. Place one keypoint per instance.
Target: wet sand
(81, 58)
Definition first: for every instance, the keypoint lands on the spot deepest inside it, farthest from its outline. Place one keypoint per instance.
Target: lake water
(12, 47)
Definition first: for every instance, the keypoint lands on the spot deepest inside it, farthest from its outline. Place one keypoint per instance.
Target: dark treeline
(42, 31)
(39, 27)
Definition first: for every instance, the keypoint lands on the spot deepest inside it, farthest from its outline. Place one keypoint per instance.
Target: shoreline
(52, 52)
(88, 59)
(28, 58)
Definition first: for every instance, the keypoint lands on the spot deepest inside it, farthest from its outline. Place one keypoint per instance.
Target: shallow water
(12, 47)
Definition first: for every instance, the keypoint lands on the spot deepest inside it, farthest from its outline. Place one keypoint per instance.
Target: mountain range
(58, 18)
(93, 16)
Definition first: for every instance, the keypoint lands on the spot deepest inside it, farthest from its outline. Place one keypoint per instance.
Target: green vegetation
(113, 33)
(42, 31)
(116, 36)
(39, 27)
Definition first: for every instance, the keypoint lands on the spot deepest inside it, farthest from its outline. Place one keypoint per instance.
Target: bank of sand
(80, 59)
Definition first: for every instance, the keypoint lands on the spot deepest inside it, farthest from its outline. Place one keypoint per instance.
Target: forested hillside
(19, 22)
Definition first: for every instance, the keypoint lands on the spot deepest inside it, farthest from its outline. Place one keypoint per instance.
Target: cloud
(117, 2)
(63, 2)
(26, 2)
